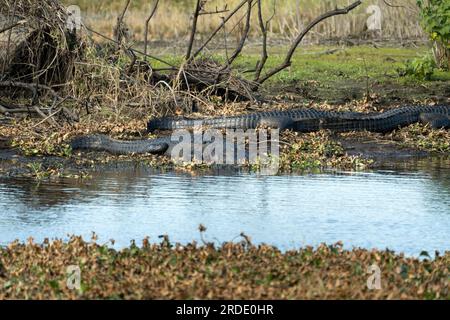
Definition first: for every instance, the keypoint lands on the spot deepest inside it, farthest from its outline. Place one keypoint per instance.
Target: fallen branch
(4, 110)
(45, 117)
(33, 87)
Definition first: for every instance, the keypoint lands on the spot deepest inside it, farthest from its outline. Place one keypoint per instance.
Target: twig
(49, 119)
(398, 6)
(11, 26)
(225, 9)
(152, 13)
(9, 38)
(198, 8)
(132, 49)
(288, 60)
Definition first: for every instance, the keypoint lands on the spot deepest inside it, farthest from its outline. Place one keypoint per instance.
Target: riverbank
(360, 79)
(231, 271)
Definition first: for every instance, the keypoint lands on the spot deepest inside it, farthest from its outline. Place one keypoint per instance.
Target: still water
(406, 210)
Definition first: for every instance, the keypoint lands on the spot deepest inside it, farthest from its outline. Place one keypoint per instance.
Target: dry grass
(39, 48)
(231, 271)
(172, 20)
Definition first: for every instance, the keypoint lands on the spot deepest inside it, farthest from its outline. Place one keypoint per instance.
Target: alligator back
(246, 121)
(308, 120)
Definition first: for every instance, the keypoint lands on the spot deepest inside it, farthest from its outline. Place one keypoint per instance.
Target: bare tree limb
(263, 26)
(214, 33)
(120, 22)
(288, 59)
(238, 50)
(399, 6)
(152, 13)
(132, 49)
(217, 11)
(198, 8)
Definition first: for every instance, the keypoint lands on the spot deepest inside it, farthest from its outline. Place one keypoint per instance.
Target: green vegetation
(230, 271)
(341, 74)
(361, 78)
(315, 152)
(435, 16)
(423, 68)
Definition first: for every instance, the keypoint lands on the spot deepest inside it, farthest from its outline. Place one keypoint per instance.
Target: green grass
(354, 63)
(346, 74)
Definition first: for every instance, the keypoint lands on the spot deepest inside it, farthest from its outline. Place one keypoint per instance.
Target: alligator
(300, 120)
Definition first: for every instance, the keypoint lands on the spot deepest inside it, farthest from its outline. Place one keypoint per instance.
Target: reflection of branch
(288, 60)
(225, 20)
(245, 34)
(198, 8)
(152, 13)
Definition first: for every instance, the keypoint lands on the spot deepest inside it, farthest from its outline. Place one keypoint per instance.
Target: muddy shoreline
(14, 164)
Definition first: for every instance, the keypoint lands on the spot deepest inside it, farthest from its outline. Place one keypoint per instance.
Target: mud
(14, 164)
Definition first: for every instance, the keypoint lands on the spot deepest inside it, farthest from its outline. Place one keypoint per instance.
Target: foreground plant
(231, 271)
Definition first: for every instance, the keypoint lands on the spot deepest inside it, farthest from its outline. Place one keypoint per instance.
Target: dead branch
(214, 33)
(263, 26)
(7, 28)
(120, 21)
(45, 117)
(33, 87)
(217, 11)
(288, 59)
(4, 110)
(198, 8)
(238, 50)
(152, 13)
(129, 48)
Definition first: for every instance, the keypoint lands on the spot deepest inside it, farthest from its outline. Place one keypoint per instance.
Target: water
(406, 211)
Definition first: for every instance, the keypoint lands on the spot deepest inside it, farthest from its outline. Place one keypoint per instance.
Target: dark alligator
(99, 142)
(301, 120)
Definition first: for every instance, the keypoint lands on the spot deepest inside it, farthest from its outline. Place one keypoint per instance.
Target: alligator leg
(435, 120)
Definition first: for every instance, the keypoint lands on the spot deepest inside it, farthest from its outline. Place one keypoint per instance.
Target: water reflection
(405, 207)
